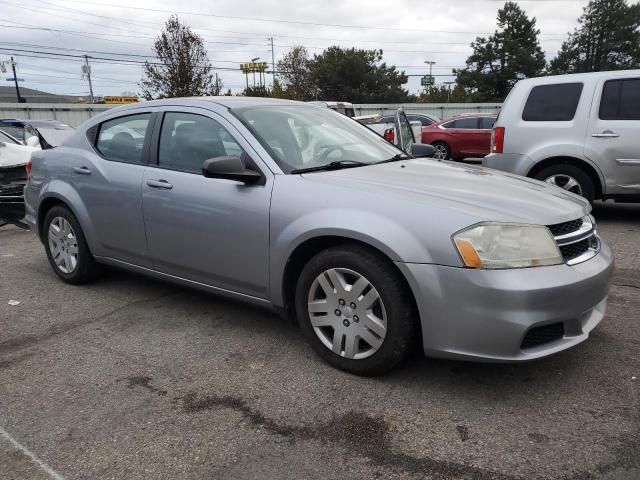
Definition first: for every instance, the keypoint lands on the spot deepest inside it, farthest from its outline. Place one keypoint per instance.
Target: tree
(182, 68)
(498, 62)
(294, 78)
(607, 38)
(357, 76)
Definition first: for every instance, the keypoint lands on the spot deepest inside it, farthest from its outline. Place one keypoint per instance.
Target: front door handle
(159, 184)
(605, 134)
(82, 170)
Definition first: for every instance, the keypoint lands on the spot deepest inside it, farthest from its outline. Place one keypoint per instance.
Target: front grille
(574, 250)
(540, 335)
(565, 227)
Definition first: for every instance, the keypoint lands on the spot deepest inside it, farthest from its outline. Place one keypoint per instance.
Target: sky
(409, 32)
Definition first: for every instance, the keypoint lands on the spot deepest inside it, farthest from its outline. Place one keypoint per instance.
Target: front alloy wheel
(347, 313)
(355, 309)
(441, 151)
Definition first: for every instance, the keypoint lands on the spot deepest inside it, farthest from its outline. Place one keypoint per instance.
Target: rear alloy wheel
(66, 247)
(442, 151)
(355, 310)
(570, 178)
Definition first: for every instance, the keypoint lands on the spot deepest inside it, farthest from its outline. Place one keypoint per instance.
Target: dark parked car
(460, 137)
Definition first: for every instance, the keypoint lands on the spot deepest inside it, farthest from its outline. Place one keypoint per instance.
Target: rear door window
(470, 123)
(620, 100)
(552, 103)
(122, 139)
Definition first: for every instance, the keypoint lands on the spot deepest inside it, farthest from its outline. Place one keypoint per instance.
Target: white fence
(438, 110)
(75, 114)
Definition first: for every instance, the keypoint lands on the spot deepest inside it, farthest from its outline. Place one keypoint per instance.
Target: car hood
(478, 192)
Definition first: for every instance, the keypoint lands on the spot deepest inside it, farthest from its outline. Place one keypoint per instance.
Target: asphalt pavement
(132, 378)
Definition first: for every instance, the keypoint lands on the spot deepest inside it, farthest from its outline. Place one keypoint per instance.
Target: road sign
(121, 99)
(12, 79)
(426, 81)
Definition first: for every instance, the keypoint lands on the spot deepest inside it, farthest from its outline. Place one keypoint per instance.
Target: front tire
(570, 178)
(355, 310)
(66, 247)
(443, 152)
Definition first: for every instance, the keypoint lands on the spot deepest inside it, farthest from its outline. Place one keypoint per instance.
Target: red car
(460, 137)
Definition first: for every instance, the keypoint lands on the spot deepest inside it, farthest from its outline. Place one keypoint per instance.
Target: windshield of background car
(300, 136)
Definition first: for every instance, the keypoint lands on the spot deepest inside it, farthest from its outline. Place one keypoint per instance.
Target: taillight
(497, 140)
(388, 135)
(28, 168)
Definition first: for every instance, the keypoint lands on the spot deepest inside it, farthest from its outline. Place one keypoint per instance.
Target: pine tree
(607, 38)
(498, 62)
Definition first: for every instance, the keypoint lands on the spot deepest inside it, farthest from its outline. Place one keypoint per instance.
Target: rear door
(468, 135)
(613, 138)
(109, 180)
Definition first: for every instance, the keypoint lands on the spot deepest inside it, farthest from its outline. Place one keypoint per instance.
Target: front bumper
(484, 315)
(12, 181)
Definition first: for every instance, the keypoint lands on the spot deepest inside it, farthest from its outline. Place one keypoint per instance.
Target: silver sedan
(299, 209)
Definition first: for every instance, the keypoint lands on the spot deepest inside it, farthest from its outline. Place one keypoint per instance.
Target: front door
(207, 230)
(612, 139)
(109, 184)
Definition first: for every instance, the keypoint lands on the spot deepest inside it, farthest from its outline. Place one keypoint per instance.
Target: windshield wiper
(337, 165)
(395, 158)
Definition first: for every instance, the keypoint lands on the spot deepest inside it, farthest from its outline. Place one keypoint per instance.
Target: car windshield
(302, 136)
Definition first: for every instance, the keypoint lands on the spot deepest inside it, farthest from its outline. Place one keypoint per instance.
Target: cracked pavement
(130, 377)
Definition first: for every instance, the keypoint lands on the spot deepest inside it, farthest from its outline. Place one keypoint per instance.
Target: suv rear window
(620, 100)
(552, 103)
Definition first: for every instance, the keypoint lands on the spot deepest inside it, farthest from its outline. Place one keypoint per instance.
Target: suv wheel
(570, 178)
(66, 247)
(355, 310)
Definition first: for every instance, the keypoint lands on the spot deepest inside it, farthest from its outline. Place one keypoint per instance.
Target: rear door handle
(605, 134)
(82, 170)
(159, 184)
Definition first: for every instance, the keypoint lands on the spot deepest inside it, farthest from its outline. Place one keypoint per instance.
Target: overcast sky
(409, 32)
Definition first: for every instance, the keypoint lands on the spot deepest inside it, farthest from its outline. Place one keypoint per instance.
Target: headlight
(503, 245)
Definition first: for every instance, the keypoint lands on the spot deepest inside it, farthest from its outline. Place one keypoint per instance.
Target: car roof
(16, 122)
(469, 115)
(575, 77)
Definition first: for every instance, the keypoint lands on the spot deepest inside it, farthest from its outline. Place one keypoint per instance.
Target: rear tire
(355, 310)
(66, 247)
(443, 152)
(569, 177)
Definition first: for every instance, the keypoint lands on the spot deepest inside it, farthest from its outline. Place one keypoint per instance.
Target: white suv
(580, 132)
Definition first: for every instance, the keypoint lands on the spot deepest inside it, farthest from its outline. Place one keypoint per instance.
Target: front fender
(378, 231)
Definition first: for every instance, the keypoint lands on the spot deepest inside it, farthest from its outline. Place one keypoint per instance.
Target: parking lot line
(46, 468)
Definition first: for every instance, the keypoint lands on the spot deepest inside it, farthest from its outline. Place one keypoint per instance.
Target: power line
(277, 20)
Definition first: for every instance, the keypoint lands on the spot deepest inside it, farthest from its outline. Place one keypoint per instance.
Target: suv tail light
(28, 167)
(388, 135)
(497, 140)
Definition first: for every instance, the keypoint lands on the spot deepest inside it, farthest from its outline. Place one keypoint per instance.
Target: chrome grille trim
(586, 231)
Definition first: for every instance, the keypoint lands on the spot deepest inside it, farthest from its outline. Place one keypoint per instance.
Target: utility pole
(273, 61)
(15, 79)
(86, 72)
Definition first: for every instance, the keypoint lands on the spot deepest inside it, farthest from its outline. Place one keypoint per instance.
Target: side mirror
(229, 168)
(422, 150)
